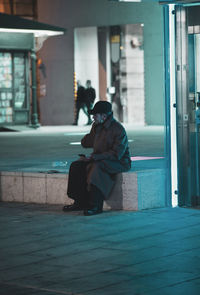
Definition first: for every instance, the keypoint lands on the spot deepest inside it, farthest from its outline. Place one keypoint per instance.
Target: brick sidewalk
(45, 251)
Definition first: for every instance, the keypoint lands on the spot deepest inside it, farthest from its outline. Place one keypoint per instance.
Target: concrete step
(136, 190)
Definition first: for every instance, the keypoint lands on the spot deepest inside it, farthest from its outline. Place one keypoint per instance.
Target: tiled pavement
(44, 251)
(37, 150)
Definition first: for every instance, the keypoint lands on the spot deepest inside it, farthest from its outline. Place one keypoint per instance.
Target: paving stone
(45, 251)
(6, 289)
(191, 287)
(86, 284)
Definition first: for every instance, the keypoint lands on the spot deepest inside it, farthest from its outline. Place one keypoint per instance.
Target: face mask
(99, 119)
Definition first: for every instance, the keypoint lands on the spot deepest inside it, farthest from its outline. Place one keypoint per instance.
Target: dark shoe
(93, 211)
(95, 202)
(73, 207)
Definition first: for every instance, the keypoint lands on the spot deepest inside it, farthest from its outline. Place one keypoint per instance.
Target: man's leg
(89, 107)
(78, 107)
(95, 201)
(77, 186)
(85, 110)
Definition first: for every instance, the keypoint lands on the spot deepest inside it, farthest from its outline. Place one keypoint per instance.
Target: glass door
(194, 114)
(187, 109)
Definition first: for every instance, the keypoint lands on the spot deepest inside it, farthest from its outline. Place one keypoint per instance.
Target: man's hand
(84, 158)
(94, 157)
(90, 158)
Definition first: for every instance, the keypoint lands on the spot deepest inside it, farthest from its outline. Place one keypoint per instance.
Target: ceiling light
(37, 33)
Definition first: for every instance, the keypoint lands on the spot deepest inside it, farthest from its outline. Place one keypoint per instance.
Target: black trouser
(89, 107)
(79, 106)
(77, 187)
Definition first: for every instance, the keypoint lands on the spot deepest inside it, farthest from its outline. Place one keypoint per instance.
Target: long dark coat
(110, 153)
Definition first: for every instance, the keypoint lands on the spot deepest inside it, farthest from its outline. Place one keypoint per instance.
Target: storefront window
(6, 96)
(19, 80)
(12, 85)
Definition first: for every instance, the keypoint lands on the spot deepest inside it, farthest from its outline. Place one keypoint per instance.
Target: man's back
(90, 94)
(81, 94)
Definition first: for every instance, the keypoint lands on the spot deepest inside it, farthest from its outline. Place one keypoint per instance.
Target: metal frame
(168, 189)
(185, 2)
(183, 145)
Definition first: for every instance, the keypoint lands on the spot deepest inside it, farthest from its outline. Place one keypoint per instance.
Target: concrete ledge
(133, 190)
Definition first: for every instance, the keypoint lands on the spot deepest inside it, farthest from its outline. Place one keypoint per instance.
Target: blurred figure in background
(80, 102)
(90, 95)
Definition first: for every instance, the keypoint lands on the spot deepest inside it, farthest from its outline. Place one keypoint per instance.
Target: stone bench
(134, 190)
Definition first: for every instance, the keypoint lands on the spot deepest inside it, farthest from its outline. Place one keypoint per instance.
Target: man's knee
(78, 165)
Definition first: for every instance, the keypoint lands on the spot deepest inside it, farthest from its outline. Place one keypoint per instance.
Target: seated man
(92, 178)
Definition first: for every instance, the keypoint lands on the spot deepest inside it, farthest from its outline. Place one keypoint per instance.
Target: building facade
(140, 68)
(20, 39)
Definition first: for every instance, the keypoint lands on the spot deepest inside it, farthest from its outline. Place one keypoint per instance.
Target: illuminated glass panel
(13, 90)
(6, 96)
(19, 81)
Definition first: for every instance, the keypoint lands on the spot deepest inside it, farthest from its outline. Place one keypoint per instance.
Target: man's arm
(88, 140)
(118, 149)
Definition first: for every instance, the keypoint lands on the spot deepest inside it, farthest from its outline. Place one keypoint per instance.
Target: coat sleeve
(88, 140)
(117, 150)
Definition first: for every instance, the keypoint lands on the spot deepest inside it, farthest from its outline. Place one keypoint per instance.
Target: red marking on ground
(140, 158)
